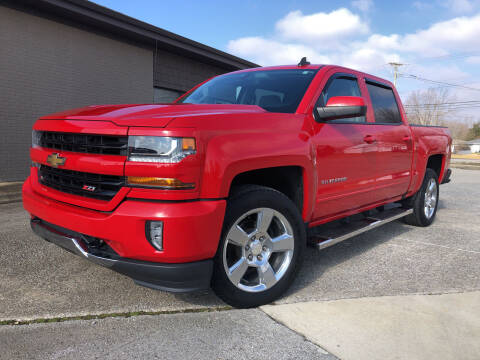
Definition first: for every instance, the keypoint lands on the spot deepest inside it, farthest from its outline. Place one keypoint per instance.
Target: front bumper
(191, 230)
(169, 277)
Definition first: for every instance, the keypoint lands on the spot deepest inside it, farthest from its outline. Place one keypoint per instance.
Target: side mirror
(339, 107)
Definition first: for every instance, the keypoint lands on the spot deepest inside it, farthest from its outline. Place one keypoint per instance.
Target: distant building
(466, 147)
(474, 145)
(60, 54)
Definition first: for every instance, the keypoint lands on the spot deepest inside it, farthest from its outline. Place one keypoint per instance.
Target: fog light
(154, 233)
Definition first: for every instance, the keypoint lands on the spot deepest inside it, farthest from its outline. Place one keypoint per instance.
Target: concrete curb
(465, 166)
(10, 192)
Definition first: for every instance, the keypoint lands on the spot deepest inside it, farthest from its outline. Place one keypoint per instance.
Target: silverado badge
(56, 160)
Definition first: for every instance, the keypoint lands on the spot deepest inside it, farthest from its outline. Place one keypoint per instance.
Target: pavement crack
(442, 246)
(112, 315)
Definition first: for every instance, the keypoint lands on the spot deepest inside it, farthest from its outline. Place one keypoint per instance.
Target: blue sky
(439, 40)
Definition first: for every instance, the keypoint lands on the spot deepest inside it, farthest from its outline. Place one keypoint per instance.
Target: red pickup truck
(221, 187)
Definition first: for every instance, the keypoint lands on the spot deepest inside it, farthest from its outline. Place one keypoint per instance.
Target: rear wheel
(261, 247)
(424, 202)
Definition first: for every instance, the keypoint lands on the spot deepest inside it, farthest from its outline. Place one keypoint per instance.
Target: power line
(445, 107)
(457, 103)
(450, 103)
(415, 77)
(442, 107)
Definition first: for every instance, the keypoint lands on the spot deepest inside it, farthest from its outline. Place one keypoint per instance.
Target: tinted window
(273, 90)
(384, 104)
(341, 86)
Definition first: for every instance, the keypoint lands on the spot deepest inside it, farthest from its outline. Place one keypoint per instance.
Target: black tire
(417, 202)
(244, 200)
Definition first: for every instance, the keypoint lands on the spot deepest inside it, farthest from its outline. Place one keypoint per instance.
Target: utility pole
(395, 66)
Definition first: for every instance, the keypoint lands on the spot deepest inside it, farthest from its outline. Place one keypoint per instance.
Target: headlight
(36, 137)
(160, 149)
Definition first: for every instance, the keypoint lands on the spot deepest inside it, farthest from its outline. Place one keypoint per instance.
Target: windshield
(273, 90)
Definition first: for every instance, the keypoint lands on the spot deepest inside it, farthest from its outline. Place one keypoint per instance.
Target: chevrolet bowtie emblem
(56, 160)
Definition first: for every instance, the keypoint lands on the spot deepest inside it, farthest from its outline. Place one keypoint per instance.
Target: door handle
(369, 139)
(406, 138)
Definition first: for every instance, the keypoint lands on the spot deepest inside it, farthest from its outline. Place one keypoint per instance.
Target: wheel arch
(286, 179)
(291, 180)
(436, 163)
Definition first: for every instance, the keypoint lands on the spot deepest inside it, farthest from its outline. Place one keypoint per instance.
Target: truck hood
(151, 115)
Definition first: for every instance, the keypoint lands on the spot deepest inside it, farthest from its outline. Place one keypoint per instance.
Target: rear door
(345, 162)
(394, 141)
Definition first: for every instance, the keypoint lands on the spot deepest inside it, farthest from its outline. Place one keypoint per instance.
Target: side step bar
(321, 240)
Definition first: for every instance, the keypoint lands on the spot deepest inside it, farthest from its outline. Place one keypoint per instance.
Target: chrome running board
(325, 236)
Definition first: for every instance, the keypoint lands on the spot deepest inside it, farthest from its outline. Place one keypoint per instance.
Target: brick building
(61, 54)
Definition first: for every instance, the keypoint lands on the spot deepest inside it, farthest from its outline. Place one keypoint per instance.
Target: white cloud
(297, 35)
(265, 51)
(460, 34)
(352, 45)
(321, 27)
(421, 5)
(460, 6)
(367, 59)
(446, 73)
(473, 60)
(362, 5)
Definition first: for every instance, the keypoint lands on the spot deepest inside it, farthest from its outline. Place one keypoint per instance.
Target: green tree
(474, 132)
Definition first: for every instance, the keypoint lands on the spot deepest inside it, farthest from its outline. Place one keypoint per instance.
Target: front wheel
(261, 248)
(425, 201)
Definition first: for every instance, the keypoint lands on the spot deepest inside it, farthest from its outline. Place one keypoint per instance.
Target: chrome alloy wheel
(430, 201)
(258, 249)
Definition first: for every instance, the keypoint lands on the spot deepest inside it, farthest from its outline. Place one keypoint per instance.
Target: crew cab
(221, 188)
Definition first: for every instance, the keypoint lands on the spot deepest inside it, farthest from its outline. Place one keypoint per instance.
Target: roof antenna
(303, 62)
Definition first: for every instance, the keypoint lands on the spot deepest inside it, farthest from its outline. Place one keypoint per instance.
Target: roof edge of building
(92, 13)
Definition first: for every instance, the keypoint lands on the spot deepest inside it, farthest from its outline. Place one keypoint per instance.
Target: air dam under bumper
(176, 277)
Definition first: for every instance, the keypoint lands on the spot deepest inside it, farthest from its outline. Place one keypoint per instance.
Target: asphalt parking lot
(39, 280)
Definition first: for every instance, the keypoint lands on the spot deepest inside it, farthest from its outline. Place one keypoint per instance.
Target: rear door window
(384, 104)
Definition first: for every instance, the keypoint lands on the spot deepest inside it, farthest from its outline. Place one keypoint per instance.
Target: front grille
(84, 143)
(97, 186)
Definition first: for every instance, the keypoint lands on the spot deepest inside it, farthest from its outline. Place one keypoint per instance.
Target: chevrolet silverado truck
(220, 188)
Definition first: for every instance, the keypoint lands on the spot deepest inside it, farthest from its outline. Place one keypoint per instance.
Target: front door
(345, 157)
